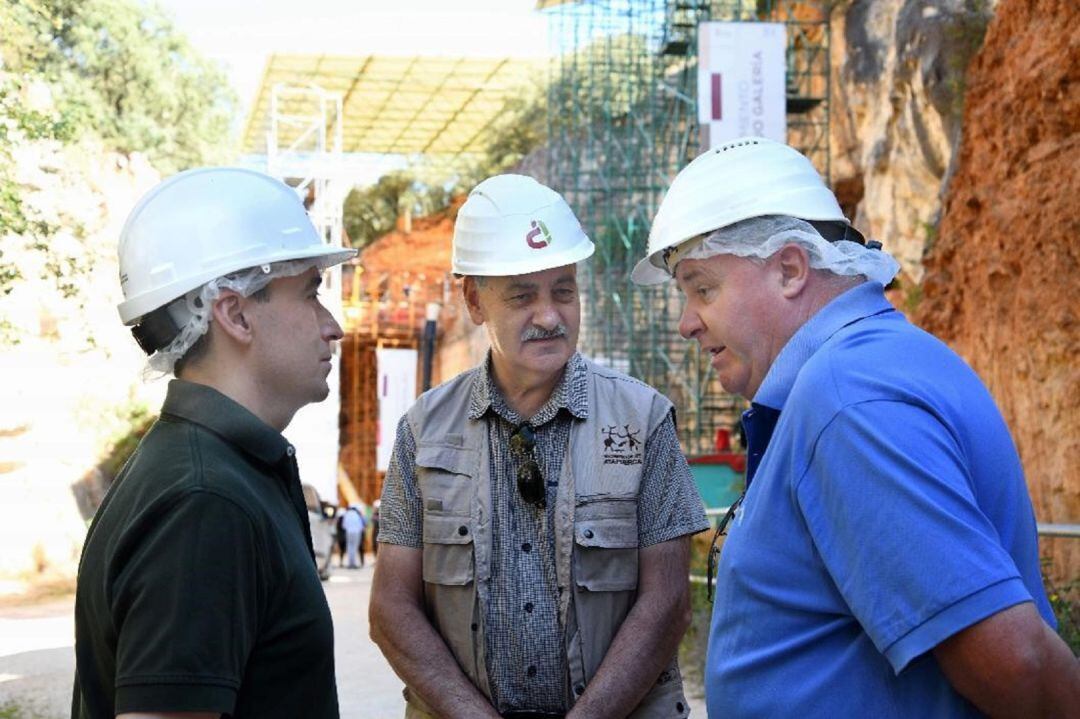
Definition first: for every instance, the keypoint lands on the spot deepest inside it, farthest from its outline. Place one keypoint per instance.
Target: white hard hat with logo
(513, 225)
(205, 223)
(741, 179)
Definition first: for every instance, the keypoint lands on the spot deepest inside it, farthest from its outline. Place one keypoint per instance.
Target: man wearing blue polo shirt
(883, 560)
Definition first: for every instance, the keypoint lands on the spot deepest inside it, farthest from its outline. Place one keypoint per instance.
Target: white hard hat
(513, 225)
(744, 178)
(205, 223)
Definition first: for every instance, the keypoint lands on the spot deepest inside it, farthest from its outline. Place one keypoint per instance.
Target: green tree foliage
(120, 70)
(604, 78)
(370, 213)
(116, 70)
(522, 130)
(21, 228)
(18, 124)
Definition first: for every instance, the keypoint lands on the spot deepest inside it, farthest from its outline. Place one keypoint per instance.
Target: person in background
(353, 524)
(883, 560)
(375, 527)
(198, 594)
(339, 535)
(537, 509)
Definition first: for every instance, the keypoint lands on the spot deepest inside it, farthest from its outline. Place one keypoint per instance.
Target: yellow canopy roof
(407, 105)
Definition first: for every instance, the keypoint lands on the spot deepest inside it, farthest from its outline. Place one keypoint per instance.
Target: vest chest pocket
(445, 475)
(606, 544)
(448, 550)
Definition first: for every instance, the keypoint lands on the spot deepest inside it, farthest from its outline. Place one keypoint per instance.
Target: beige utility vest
(596, 527)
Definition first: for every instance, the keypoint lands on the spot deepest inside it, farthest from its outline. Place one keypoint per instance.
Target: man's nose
(331, 330)
(546, 317)
(689, 324)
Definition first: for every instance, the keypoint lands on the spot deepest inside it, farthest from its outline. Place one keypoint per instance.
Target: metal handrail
(1058, 530)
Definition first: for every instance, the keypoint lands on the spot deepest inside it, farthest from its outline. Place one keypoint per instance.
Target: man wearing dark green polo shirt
(198, 594)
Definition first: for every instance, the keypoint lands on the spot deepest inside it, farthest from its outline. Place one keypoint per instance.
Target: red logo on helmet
(538, 228)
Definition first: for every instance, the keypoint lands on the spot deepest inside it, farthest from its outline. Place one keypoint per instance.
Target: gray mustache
(539, 333)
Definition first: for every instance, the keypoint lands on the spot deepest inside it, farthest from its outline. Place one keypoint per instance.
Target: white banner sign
(741, 76)
(396, 392)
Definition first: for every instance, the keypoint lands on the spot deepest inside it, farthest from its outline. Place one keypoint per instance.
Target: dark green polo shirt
(197, 587)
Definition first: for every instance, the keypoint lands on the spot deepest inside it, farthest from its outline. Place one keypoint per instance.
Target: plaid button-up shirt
(526, 658)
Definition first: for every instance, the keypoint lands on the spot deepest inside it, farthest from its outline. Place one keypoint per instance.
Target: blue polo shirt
(886, 511)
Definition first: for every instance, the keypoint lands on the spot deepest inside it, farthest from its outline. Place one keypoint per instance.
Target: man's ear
(793, 265)
(470, 292)
(228, 310)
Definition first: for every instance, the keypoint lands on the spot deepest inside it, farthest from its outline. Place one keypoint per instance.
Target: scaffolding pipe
(428, 342)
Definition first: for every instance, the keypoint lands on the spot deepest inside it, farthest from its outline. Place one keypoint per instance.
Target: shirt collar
(205, 406)
(569, 394)
(863, 300)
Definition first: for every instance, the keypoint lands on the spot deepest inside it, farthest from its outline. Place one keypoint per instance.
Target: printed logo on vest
(622, 445)
(538, 228)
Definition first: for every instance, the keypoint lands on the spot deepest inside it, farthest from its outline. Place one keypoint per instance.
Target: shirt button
(529, 607)
(531, 671)
(526, 547)
(475, 626)
(679, 707)
(290, 450)
(579, 690)
(463, 530)
(588, 534)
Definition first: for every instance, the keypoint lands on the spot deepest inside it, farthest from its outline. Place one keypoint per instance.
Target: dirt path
(367, 687)
(37, 660)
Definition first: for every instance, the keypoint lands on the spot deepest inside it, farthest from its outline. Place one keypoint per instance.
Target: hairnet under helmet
(761, 237)
(750, 177)
(192, 312)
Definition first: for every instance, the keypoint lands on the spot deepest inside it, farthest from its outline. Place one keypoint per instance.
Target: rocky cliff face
(897, 96)
(1001, 280)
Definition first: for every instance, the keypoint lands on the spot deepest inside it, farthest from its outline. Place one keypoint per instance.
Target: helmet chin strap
(833, 231)
(156, 330)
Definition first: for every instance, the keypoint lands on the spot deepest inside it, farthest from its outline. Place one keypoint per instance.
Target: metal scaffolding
(304, 143)
(303, 149)
(622, 121)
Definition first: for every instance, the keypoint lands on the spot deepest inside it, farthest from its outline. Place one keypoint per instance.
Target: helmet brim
(132, 310)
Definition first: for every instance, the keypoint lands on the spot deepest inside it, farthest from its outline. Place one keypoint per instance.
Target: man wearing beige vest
(537, 510)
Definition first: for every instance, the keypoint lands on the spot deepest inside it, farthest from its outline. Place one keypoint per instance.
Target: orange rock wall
(1002, 279)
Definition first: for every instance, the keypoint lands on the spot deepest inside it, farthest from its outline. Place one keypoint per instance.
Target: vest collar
(569, 394)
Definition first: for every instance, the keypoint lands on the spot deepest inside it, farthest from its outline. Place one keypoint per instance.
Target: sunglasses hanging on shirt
(714, 550)
(530, 481)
